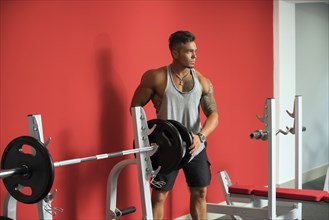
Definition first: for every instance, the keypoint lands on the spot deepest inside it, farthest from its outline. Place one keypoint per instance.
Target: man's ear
(174, 54)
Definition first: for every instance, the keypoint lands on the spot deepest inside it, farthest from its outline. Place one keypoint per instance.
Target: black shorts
(197, 173)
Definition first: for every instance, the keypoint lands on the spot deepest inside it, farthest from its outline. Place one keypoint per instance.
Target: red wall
(78, 63)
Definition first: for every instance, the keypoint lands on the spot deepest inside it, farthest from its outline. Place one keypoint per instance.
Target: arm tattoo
(208, 102)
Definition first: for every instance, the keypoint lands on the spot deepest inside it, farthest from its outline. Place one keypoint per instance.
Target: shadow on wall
(91, 178)
(113, 119)
(69, 173)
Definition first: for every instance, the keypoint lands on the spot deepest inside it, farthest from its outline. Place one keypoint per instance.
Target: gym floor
(315, 212)
(310, 211)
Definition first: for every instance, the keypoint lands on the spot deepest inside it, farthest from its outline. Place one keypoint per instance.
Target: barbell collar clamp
(259, 134)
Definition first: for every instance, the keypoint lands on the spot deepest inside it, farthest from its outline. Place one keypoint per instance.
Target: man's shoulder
(204, 81)
(160, 70)
(201, 77)
(156, 73)
(155, 77)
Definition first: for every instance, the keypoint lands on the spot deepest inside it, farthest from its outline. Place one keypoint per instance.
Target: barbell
(33, 168)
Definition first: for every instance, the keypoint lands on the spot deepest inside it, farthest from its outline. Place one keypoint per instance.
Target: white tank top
(181, 106)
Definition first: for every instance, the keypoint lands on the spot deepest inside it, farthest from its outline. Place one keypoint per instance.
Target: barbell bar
(104, 156)
(15, 171)
(24, 170)
(35, 170)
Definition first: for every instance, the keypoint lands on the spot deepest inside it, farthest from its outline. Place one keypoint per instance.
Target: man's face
(185, 54)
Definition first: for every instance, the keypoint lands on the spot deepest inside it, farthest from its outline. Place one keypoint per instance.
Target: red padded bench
(326, 198)
(283, 193)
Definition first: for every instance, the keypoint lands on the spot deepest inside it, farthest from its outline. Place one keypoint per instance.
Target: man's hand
(195, 145)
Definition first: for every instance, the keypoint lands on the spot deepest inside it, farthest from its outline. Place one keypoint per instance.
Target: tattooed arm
(209, 107)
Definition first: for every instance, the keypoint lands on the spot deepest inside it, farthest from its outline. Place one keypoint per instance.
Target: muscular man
(177, 92)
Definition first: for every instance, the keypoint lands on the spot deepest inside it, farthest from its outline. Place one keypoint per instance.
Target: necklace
(181, 79)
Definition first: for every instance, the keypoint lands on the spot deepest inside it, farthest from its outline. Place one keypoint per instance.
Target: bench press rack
(262, 203)
(142, 160)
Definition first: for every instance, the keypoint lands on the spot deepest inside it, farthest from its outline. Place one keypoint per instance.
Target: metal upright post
(298, 142)
(298, 124)
(36, 131)
(9, 207)
(271, 128)
(35, 127)
(143, 163)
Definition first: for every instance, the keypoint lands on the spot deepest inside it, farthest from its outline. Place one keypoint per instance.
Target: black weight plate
(170, 152)
(40, 177)
(187, 141)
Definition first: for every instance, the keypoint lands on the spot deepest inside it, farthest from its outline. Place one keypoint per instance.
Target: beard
(186, 63)
(189, 66)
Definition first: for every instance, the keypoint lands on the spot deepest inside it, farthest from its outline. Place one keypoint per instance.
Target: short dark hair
(180, 37)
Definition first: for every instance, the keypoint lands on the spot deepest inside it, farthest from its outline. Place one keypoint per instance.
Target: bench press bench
(282, 193)
(251, 202)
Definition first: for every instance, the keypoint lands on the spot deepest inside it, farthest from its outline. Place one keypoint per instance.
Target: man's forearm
(210, 124)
